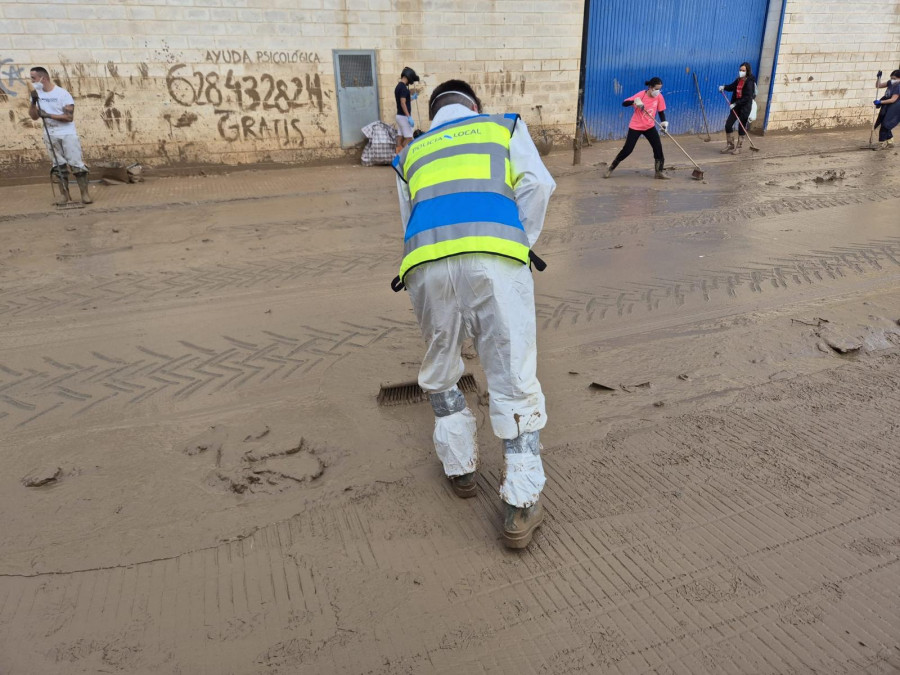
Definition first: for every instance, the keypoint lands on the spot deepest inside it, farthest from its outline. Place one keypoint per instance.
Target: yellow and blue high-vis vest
(460, 185)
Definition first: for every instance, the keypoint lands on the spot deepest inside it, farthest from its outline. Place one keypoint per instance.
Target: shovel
(696, 174)
(746, 133)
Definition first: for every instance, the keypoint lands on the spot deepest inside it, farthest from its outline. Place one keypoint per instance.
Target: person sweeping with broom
(743, 91)
(888, 110)
(647, 104)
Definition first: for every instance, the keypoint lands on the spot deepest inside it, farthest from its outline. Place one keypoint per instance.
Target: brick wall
(153, 79)
(830, 51)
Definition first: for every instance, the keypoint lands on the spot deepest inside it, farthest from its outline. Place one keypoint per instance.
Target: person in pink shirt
(647, 104)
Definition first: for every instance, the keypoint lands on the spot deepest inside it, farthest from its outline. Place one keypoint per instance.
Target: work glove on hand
(878, 75)
(877, 103)
(664, 126)
(45, 115)
(412, 122)
(638, 103)
(731, 107)
(721, 87)
(415, 96)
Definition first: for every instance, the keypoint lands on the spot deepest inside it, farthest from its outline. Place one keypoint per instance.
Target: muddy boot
(82, 179)
(62, 179)
(464, 486)
(737, 148)
(658, 165)
(519, 524)
(729, 140)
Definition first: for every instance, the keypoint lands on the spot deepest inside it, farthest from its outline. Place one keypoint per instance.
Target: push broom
(696, 174)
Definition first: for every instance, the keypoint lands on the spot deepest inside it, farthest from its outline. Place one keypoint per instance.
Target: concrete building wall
(829, 53)
(155, 80)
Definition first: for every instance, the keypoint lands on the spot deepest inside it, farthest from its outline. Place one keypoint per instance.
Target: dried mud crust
(774, 515)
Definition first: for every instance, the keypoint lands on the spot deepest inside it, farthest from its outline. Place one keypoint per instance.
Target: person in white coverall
(473, 196)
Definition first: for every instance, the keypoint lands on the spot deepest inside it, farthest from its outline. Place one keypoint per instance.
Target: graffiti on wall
(10, 76)
(249, 107)
(244, 56)
(269, 98)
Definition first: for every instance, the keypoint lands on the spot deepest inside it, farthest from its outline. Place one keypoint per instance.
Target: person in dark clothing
(402, 96)
(646, 105)
(888, 110)
(743, 91)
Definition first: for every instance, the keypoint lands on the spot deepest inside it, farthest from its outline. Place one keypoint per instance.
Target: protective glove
(638, 103)
(44, 114)
(721, 87)
(34, 97)
(412, 122)
(731, 107)
(664, 126)
(877, 103)
(878, 75)
(415, 96)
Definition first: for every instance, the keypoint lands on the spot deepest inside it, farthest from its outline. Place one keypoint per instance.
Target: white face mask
(654, 92)
(742, 73)
(894, 81)
(38, 85)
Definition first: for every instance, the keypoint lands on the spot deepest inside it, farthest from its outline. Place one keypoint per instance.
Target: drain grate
(411, 392)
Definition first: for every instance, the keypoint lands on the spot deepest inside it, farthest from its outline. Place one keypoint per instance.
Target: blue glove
(412, 122)
(877, 103)
(415, 96)
(879, 75)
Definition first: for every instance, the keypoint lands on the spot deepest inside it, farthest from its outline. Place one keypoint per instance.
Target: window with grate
(356, 70)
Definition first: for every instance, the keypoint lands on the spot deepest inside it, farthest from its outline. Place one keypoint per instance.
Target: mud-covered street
(196, 475)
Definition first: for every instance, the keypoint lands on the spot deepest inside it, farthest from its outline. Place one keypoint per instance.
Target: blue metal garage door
(630, 41)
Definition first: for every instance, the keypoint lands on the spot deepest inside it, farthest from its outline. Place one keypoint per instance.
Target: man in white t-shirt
(56, 107)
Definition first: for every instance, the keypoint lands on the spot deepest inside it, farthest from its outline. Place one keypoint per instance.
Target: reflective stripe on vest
(460, 185)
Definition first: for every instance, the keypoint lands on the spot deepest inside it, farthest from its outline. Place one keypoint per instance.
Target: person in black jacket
(743, 91)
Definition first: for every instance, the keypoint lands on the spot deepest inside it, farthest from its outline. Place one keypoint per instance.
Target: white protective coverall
(490, 299)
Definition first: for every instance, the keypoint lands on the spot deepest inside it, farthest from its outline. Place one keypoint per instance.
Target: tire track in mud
(783, 274)
(149, 376)
(59, 386)
(71, 295)
(709, 217)
(554, 310)
(688, 543)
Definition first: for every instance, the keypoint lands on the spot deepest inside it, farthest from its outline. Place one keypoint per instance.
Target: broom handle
(665, 133)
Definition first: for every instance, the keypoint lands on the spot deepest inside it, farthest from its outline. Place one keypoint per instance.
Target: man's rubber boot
(729, 139)
(82, 179)
(519, 524)
(659, 171)
(62, 177)
(737, 148)
(464, 486)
